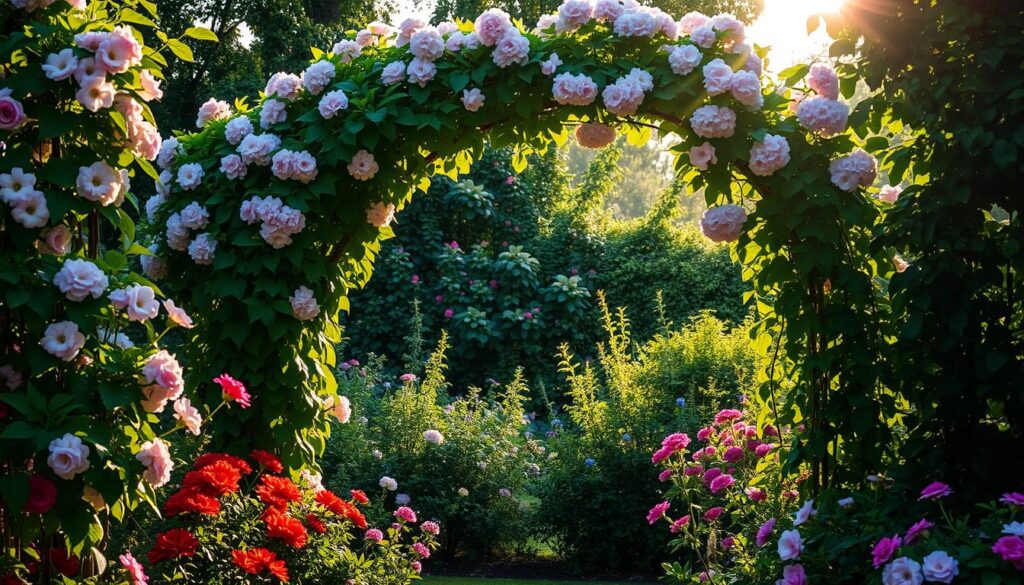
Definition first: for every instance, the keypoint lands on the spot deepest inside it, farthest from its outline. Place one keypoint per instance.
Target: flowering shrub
(239, 520)
(84, 370)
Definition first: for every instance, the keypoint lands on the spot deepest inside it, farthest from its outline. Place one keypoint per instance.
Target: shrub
(463, 461)
(599, 472)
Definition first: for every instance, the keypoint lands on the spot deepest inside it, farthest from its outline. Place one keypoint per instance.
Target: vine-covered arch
(269, 215)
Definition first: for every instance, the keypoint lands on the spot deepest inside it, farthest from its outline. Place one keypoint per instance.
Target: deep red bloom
(288, 529)
(257, 560)
(332, 502)
(215, 479)
(66, 563)
(315, 524)
(266, 460)
(359, 496)
(233, 390)
(191, 499)
(278, 569)
(42, 495)
(277, 491)
(176, 542)
(356, 517)
(237, 462)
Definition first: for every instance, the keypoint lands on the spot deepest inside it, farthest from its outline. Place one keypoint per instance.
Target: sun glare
(783, 27)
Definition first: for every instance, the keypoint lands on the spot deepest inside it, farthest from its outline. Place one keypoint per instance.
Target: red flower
(191, 499)
(233, 390)
(356, 517)
(266, 460)
(281, 525)
(359, 496)
(42, 495)
(315, 524)
(215, 479)
(236, 462)
(176, 542)
(332, 502)
(67, 564)
(259, 559)
(277, 491)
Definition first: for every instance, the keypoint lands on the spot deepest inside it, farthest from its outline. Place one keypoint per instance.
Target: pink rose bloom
(717, 77)
(728, 24)
(150, 90)
(764, 532)
(684, 58)
(711, 474)
(282, 164)
(704, 433)
(595, 135)
(703, 36)
(733, 454)
(79, 278)
(676, 441)
(363, 166)
(661, 455)
(163, 369)
(665, 475)
(713, 122)
(233, 167)
(769, 155)
(680, 524)
(119, 51)
(573, 14)
(473, 99)
(406, 30)
(793, 575)
(491, 25)
(380, 215)
(340, 407)
(890, 193)
(939, 567)
(431, 527)
(95, 93)
(393, 73)
(157, 460)
(374, 535)
(623, 97)
(333, 102)
(139, 301)
(347, 50)
(858, 169)
(550, 65)
(426, 44)
(884, 549)
(188, 415)
(55, 241)
(258, 149)
(935, 490)
(134, 569)
(790, 544)
(902, 571)
(713, 513)
(575, 90)
(144, 139)
(916, 530)
(511, 48)
(763, 449)
(721, 482)
(823, 116)
(283, 85)
(746, 89)
(657, 512)
(304, 305)
(755, 494)
(824, 81)
(723, 223)
(273, 112)
(177, 315)
(1011, 550)
(420, 71)
(233, 391)
(212, 110)
(316, 77)
(636, 23)
(405, 514)
(691, 21)
(690, 470)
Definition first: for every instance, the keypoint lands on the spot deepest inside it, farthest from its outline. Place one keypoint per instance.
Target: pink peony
(156, 458)
(721, 482)
(902, 571)
(420, 71)
(393, 73)
(491, 25)
(334, 102)
(713, 513)
(68, 457)
(733, 454)
(550, 65)
(608, 10)
(1011, 550)
(272, 112)
(939, 567)
(703, 36)
(713, 122)
(283, 85)
(665, 475)
(511, 48)
(723, 223)
(304, 305)
(233, 167)
(717, 77)
(363, 166)
(163, 369)
(884, 549)
(636, 23)
(406, 29)
(573, 14)
(691, 21)
(755, 494)
(575, 90)
(823, 116)
(316, 77)
(916, 530)
(405, 514)
(426, 43)
(657, 512)
(190, 176)
(824, 81)
(212, 110)
(857, 169)
(380, 215)
(203, 249)
(769, 155)
(684, 58)
(746, 89)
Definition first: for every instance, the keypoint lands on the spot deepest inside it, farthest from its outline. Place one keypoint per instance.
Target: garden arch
(269, 215)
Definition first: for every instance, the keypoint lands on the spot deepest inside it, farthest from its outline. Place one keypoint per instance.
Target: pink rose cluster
(258, 148)
(712, 121)
(626, 94)
(574, 90)
(287, 164)
(304, 305)
(113, 52)
(642, 21)
(278, 221)
(28, 204)
(857, 169)
(211, 111)
(723, 223)
(164, 381)
(380, 215)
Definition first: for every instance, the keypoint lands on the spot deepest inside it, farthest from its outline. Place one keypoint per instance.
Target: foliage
(599, 472)
(482, 451)
(229, 510)
(82, 363)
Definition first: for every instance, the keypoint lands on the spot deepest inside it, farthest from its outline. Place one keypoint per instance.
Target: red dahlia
(237, 462)
(216, 479)
(267, 461)
(257, 560)
(277, 491)
(281, 525)
(359, 497)
(315, 524)
(191, 499)
(332, 502)
(176, 542)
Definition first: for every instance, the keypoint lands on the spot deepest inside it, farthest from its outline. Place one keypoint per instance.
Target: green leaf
(180, 50)
(201, 33)
(129, 15)
(458, 80)
(842, 47)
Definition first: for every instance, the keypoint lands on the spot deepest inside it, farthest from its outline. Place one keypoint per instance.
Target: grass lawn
(434, 580)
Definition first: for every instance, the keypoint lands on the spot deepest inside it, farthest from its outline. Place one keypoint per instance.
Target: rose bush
(85, 368)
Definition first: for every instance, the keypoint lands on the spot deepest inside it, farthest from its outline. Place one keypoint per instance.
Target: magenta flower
(711, 474)
(657, 512)
(935, 490)
(680, 524)
(676, 441)
(727, 415)
(704, 433)
(1013, 498)
(916, 530)
(661, 455)
(1011, 550)
(713, 513)
(665, 475)
(405, 514)
(721, 482)
(733, 454)
(765, 532)
(793, 575)
(884, 550)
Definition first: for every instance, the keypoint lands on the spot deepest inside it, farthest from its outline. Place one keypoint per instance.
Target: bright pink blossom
(884, 549)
